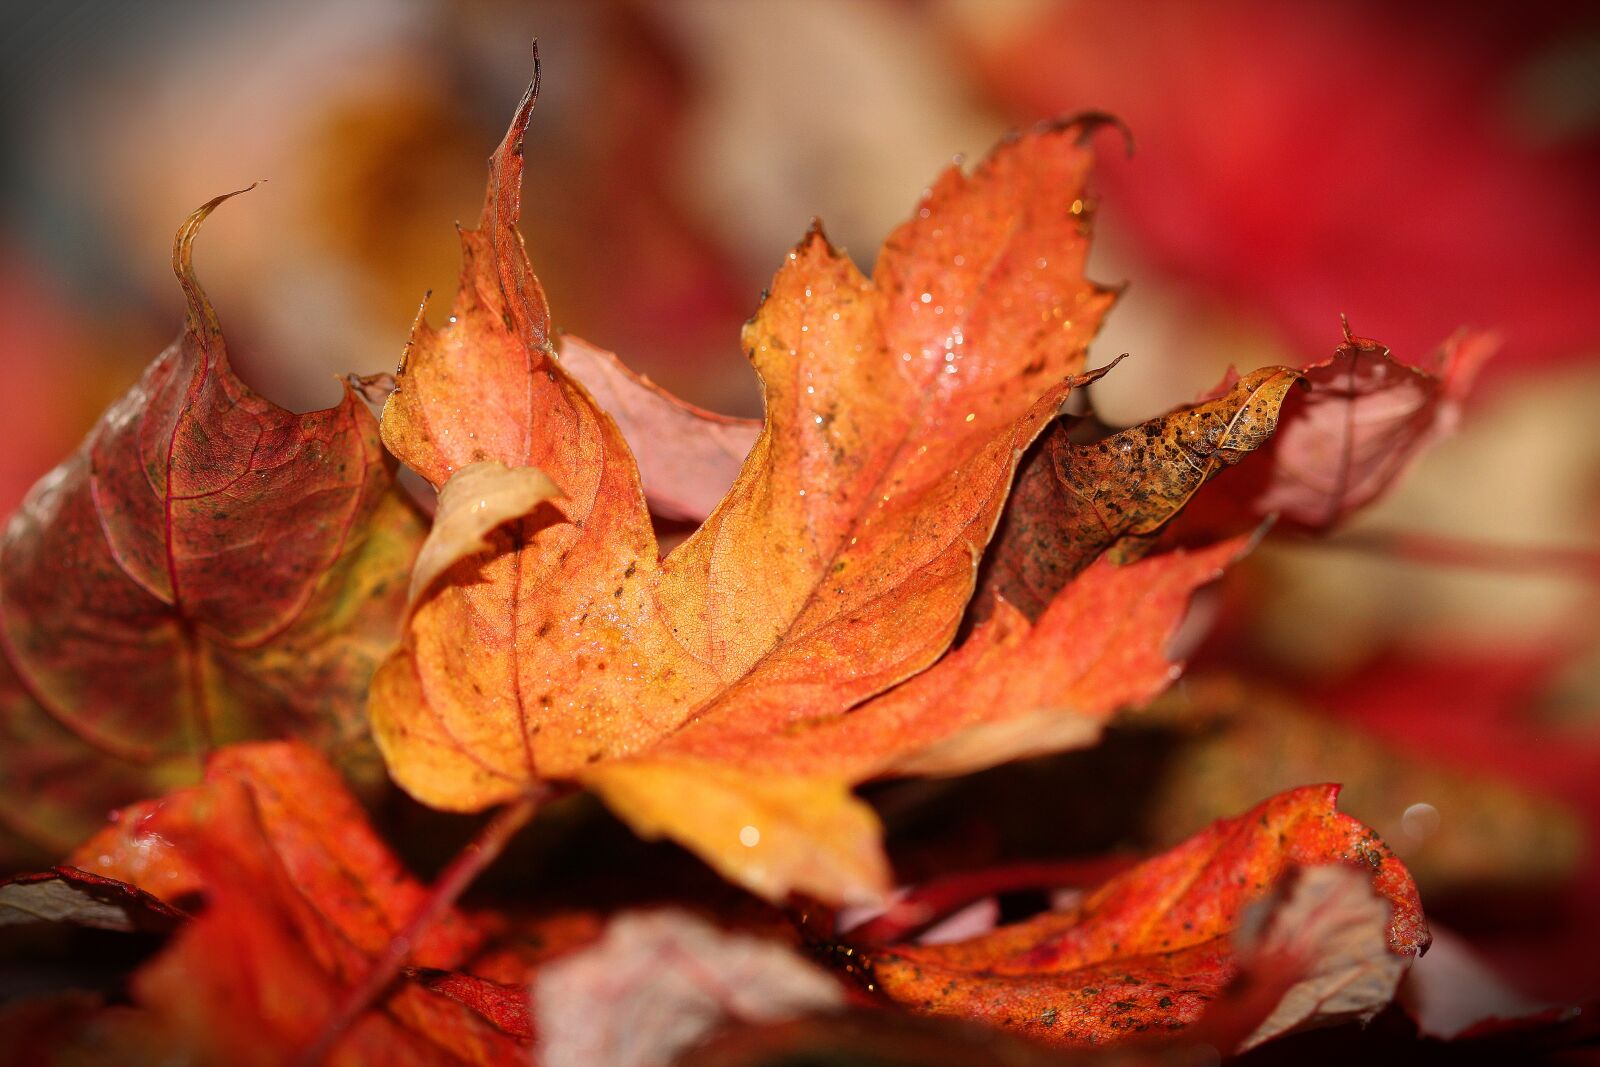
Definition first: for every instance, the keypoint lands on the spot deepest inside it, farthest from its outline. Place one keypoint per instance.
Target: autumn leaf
(470, 506)
(299, 896)
(208, 567)
(659, 982)
(1075, 501)
(838, 565)
(687, 456)
(1148, 949)
(75, 897)
(506, 1005)
(297, 808)
(1326, 937)
(1012, 689)
(1364, 419)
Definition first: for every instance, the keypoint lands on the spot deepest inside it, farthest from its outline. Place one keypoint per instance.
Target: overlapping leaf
(838, 566)
(299, 895)
(687, 456)
(1348, 437)
(658, 982)
(207, 567)
(1366, 417)
(1146, 951)
(75, 897)
(1075, 501)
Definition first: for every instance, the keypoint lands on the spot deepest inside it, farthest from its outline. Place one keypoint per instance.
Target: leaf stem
(463, 870)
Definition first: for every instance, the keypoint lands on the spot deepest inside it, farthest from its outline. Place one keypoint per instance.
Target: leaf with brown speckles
(1074, 501)
(1146, 951)
(207, 567)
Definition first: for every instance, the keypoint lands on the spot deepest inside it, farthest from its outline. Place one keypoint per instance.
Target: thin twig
(463, 870)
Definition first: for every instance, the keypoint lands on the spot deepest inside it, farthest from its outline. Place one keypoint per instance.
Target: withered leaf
(1075, 501)
(207, 567)
(471, 504)
(658, 982)
(76, 897)
(1329, 935)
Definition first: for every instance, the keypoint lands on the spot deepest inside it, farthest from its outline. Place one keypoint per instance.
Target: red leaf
(299, 897)
(1366, 417)
(506, 1005)
(208, 567)
(1148, 949)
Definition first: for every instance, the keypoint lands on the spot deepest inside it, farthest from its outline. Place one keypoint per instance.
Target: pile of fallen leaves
(230, 627)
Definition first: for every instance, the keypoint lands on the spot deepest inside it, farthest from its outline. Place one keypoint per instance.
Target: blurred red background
(1415, 165)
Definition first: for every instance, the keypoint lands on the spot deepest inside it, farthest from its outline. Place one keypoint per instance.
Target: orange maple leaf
(730, 694)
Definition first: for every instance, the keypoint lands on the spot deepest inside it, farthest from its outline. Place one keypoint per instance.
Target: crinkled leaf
(207, 567)
(838, 565)
(1330, 930)
(473, 502)
(1074, 501)
(1147, 950)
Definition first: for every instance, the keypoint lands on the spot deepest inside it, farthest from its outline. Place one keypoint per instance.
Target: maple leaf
(1075, 501)
(717, 695)
(207, 567)
(1147, 949)
(300, 896)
